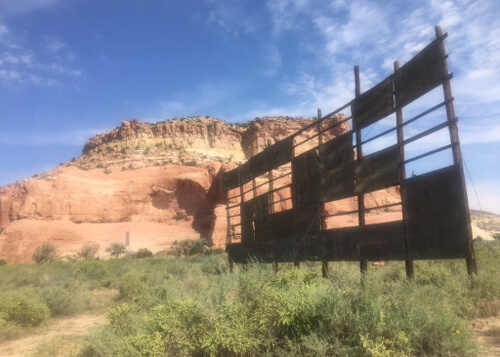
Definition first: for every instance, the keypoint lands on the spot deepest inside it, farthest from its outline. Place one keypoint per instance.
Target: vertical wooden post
(271, 205)
(456, 150)
(324, 263)
(228, 230)
(363, 264)
(402, 175)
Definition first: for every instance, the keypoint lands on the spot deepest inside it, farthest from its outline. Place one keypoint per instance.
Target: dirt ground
(487, 331)
(66, 327)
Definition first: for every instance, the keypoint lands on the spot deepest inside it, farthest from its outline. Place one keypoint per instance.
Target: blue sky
(70, 69)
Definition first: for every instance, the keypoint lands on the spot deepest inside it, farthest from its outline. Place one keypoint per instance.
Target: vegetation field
(194, 306)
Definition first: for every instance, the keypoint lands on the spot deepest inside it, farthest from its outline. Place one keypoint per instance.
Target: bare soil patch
(74, 326)
(487, 330)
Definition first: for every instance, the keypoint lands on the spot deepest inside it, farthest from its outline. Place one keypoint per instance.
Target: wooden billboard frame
(435, 215)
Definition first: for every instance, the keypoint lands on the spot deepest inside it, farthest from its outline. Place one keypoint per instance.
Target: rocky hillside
(161, 182)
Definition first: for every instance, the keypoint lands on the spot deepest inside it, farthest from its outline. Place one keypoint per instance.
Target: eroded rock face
(160, 182)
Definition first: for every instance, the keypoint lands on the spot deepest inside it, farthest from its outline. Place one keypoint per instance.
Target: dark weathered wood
(281, 224)
(456, 150)
(336, 152)
(381, 241)
(305, 179)
(373, 105)
(245, 173)
(402, 173)
(247, 219)
(377, 171)
(338, 183)
(435, 215)
(231, 179)
(421, 74)
(280, 153)
(359, 155)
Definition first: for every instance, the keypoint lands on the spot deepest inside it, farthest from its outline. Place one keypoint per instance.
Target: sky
(70, 69)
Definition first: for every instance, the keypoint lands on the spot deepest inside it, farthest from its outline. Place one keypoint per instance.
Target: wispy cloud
(16, 7)
(24, 66)
(234, 17)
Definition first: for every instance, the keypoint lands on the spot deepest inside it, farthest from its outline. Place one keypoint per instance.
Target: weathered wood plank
(373, 105)
(231, 179)
(377, 171)
(336, 152)
(305, 179)
(421, 74)
(435, 215)
(337, 183)
(381, 241)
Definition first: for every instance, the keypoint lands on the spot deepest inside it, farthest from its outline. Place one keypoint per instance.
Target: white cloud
(233, 17)
(15, 7)
(272, 60)
(23, 66)
(53, 44)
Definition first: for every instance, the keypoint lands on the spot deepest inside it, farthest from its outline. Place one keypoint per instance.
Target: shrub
(44, 253)
(23, 310)
(93, 270)
(143, 253)
(3, 262)
(88, 251)
(188, 247)
(116, 249)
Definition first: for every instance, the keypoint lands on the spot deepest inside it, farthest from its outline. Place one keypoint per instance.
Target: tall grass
(193, 306)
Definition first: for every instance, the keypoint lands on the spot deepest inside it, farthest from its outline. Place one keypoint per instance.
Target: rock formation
(161, 182)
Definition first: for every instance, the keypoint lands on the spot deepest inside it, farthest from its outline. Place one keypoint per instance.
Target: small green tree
(44, 253)
(116, 249)
(88, 251)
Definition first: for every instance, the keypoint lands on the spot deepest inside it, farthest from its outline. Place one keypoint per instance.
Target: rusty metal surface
(435, 215)
(373, 105)
(231, 179)
(421, 74)
(377, 171)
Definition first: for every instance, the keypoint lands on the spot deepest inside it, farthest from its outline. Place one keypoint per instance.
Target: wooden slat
(281, 224)
(231, 179)
(336, 152)
(271, 157)
(435, 214)
(305, 179)
(373, 105)
(371, 242)
(377, 171)
(259, 163)
(245, 173)
(247, 218)
(338, 183)
(280, 153)
(421, 74)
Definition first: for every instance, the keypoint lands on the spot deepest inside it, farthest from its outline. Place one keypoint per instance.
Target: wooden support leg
(409, 268)
(324, 269)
